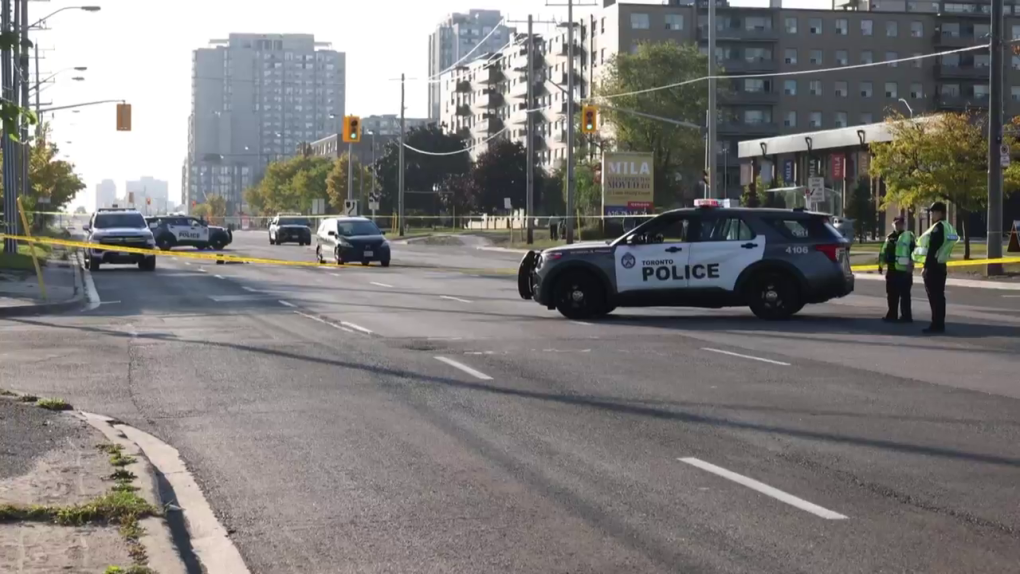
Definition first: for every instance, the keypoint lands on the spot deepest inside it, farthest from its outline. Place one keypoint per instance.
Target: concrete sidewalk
(20, 293)
(73, 500)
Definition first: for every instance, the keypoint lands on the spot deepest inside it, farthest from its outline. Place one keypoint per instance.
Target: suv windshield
(350, 228)
(293, 221)
(111, 220)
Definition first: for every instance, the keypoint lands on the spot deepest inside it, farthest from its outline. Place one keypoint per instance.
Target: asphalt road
(423, 418)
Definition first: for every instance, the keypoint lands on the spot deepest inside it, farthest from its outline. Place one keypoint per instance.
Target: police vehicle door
(726, 246)
(189, 230)
(655, 259)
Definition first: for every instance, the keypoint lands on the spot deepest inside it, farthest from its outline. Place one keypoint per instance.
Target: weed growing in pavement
(117, 457)
(117, 507)
(121, 475)
(129, 570)
(28, 398)
(53, 404)
(6, 393)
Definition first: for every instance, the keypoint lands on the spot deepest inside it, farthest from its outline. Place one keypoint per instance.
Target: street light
(909, 109)
(52, 14)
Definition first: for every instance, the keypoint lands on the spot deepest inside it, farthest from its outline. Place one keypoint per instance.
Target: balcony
(948, 72)
(741, 97)
(488, 125)
(740, 129)
(972, 11)
(959, 101)
(561, 48)
(491, 75)
(463, 87)
(943, 39)
(740, 34)
(490, 98)
(463, 110)
(744, 66)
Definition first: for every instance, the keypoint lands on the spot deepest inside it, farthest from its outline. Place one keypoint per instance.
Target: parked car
(183, 231)
(347, 239)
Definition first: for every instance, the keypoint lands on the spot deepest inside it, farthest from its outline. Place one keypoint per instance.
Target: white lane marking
(582, 323)
(380, 284)
(109, 302)
(218, 276)
(765, 489)
(203, 270)
(335, 274)
(235, 298)
(1011, 296)
(186, 262)
(323, 321)
(249, 289)
(356, 327)
(745, 356)
(465, 368)
(287, 304)
(454, 298)
(90, 291)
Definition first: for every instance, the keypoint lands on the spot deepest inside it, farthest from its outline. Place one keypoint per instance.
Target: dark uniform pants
(897, 290)
(935, 286)
(553, 229)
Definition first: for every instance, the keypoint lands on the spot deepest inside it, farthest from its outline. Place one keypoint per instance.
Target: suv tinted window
(293, 221)
(357, 227)
(725, 229)
(804, 228)
(111, 220)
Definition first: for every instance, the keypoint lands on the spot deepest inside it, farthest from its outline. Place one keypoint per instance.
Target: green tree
(860, 207)
(676, 149)
(938, 157)
(217, 206)
(51, 179)
(501, 172)
(422, 171)
(336, 182)
(290, 185)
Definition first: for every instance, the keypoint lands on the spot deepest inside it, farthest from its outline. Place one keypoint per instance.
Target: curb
(71, 304)
(503, 250)
(969, 283)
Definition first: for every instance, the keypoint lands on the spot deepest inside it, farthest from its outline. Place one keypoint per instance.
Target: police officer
(934, 248)
(554, 228)
(899, 279)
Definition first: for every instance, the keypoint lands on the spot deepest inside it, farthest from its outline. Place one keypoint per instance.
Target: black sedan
(350, 239)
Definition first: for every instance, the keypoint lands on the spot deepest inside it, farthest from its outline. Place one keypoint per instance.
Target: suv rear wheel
(774, 296)
(580, 295)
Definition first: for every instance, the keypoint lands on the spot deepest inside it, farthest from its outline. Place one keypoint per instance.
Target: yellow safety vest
(944, 252)
(902, 262)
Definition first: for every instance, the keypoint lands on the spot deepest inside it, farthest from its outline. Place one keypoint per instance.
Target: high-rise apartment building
(486, 96)
(106, 193)
(457, 38)
(256, 98)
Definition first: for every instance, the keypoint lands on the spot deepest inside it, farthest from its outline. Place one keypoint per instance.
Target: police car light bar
(707, 203)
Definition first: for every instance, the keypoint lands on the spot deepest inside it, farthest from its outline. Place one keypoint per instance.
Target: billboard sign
(627, 183)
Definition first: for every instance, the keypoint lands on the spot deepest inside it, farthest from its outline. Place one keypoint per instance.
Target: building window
(815, 120)
(639, 21)
(816, 57)
(790, 87)
(916, 91)
(841, 90)
(892, 28)
(754, 86)
(867, 119)
(1014, 93)
(758, 23)
(674, 21)
(841, 121)
(791, 26)
(891, 90)
(867, 27)
(791, 56)
(841, 58)
(890, 56)
(815, 87)
(867, 57)
(790, 120)
(918, 62)
(842, 26)
(756, 117)
(866, 89)
(981, 91)
(815, 26)
(916, 29)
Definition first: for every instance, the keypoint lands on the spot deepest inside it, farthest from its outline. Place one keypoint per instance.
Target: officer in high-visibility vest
(899, 279)
(934, 248)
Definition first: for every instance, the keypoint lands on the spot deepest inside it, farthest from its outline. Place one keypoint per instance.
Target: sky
(140, 51)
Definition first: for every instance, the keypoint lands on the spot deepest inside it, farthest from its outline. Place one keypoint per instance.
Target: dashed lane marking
(458, 365)
(582, 323)
(765, 489)
(323, 321)
(218, 276)
(380, 284)
(751, 357)
(249, 289)
(454, 299)
(287, 304)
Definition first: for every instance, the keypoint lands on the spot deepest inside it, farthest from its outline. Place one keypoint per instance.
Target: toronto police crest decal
(627, 261)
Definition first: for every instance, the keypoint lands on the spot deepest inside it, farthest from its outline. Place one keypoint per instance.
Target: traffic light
(589, 119)
(123, 117)
(352, 129)
(704, 177)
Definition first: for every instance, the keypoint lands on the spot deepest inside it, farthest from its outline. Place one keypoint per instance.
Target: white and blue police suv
(773, 260)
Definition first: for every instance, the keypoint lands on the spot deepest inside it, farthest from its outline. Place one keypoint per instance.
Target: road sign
(373, 205)
(351, 207)
(506, 203)
(1004, 155)
(816, 189)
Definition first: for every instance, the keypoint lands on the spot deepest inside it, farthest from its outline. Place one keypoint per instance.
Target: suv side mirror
(382, 232)
(86, 227)
(331, 233)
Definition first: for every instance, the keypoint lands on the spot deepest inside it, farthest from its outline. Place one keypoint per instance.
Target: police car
(773, 260)
(292, 227)
(182, 231)
(118, 227)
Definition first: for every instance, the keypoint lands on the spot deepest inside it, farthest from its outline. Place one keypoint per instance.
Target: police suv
(118, 227)
(182, 231)
(292, 227)
(773, 260)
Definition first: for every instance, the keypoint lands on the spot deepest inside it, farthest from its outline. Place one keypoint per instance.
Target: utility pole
(529, 210)
(713, 115)
(995, 48)
(26, 146)
(38, 87)
(9, 161)
(570, 122)
(350, 170)
(400, 163)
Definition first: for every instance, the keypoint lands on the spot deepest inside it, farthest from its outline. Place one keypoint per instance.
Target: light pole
(909, 109)
(39, 83)
(65, 8)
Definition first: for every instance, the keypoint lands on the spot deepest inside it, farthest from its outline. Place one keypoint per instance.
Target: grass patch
(129, 570)
(53, 404)
(6, 393)
(41, 251)
(123, 475)
(28, 398)
(16, 261)
(115, 507)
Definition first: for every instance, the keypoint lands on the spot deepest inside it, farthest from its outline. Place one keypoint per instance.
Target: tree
(461, 193)
(290, 185)
(861, 208)
(336, 182)
(51, 178)
(676, 149)
(217, 206)
(501, 172)
(937, 157)
(422, 171)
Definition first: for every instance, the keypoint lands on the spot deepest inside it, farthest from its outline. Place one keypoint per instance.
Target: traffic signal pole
(570, 122)
(9, 173)
(350, 170)
(529, 210)
(400, 162)
(713, 116)
(995, 48)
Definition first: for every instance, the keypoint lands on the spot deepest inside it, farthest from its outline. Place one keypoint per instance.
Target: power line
(465, 150)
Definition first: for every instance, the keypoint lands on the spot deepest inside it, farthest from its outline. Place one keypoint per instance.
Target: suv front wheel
(774, 296)
(580, 295)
